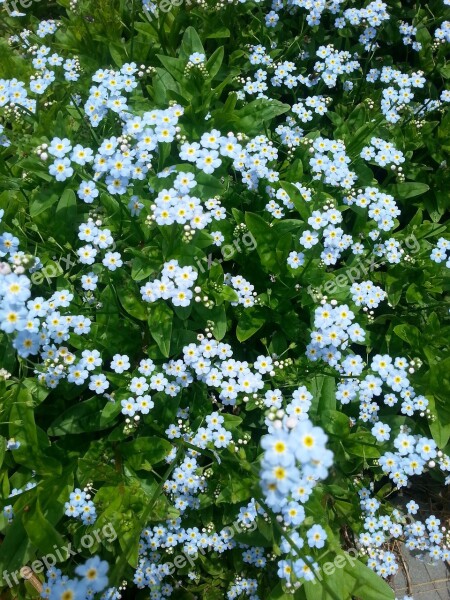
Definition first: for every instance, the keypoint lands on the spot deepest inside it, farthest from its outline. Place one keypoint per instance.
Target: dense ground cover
(224, 261)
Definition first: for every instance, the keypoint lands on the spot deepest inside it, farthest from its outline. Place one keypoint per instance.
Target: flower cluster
(334, 63)
(399, 94)
(99, 239)
(121, 160)
(305, 108)
(425, 538)
(177, 205)
(330, 162)
(183, 487)
(367, 294)
(334, 330)
(185, 484)
(408, 32)
(47, 27)
(295, 458)
(154, 168)
(412, 456)
(14, 93)
(175, 285)
(93, 579)
(4, 141)
(442, 252)
(442, 33)
(382, 153)
(107, 95)
(243, 585)
(213, 363)
(36, 323)
(243, 288)
(382, 208)
(8, 510)
(80, 506)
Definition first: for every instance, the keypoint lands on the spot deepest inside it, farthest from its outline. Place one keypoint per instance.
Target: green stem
(133, 16)
(297, 549)
(120, 567)
(84, 120)
(20, 188)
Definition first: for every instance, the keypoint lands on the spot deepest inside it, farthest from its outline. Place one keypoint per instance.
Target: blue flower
(197, 58)
(316, 536)
(94, 572)
(74, 589)
(61, 169)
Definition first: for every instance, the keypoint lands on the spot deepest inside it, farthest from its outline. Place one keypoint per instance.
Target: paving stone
(428, 581)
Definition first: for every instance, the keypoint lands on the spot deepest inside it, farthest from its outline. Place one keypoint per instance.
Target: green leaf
(174, 66)
(94, 470)
(38, 168)
(362, 444)
(7, 354)
(279, 594)
(331, 582)
(263, 109)
(323, 389)
(297, 200)
(191, 43)
(335, 422)
(42, 201)
(407, 190)
(216, 274)
(257, 112)
(283, 247)
(408, 333)
(445, 71)
(41, 532)
(15, 551)
(150, 450)
(116, 52)
(132, 302)
(250, 322)
(111, 205)
(220, 322)
(231, 421)
(209, 185)
(215, 61)
(81, 418)
(160, 323)
(9, 183)
(229, 294)
(235, 489)
(2, 449)
(222, 32)
(361, 136)
(265, 243)
(162, 83)
(66, 214)
(368, 584)
(439, 430)
(142, 268)
(110, 411)
(33, 440)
